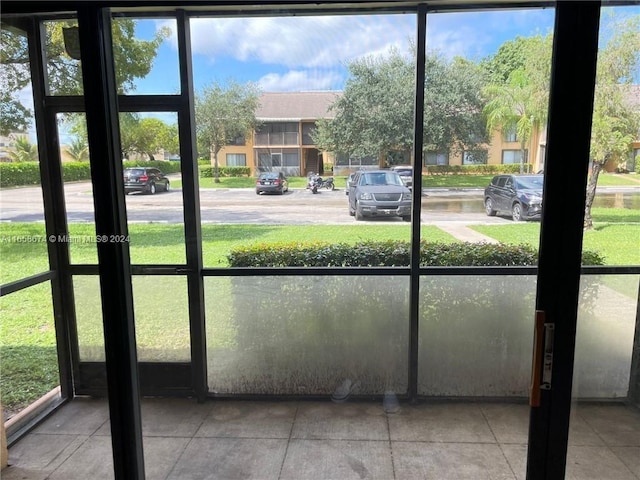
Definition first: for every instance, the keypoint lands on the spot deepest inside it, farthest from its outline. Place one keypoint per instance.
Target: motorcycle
(315, 182)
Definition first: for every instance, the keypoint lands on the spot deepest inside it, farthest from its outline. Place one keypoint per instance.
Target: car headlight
(366, 196)
(535, 199)
(406, 196)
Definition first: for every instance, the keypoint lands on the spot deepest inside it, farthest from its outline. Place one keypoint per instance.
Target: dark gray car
(379, 193)
(518, 195)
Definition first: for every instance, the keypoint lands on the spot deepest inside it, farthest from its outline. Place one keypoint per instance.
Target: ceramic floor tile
(177, 417)
(630, 456)
(81, 416)
(337, 459)
(509, 422)
(230, 459)
(343, 421)
(595, 463)
(450, 461)
(617, 425)
(440, 423)
(43, 451)
(93, 460)
(249, 420)
(516, 456)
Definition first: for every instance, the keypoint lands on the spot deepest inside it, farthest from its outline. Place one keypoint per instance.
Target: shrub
(207, 171)
(22, 173)
(76, 171)
(476, 169)
(163, 166)
(387, 253)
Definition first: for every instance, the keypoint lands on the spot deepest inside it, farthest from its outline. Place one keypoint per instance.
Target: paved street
(298, 206)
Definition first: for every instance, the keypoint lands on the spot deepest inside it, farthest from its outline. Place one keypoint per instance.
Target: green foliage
(484, 169)
(223, 113)
(208, 171)
(374, 115)
(72, 172)
(79, 150)
(25, 151)
(133, 59)
(22, 173)
(386, 254)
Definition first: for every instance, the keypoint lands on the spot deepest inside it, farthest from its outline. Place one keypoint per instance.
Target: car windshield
(381, 178)
(134, 171)
(405, 172)
(269, 176)
(529, 183)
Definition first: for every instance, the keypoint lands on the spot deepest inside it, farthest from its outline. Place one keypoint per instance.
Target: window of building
(307, 132)
(236, 160)
(513, 156)
(279, 133)
(239, 140)
(510, 134)
(436, 158)
(474, 157)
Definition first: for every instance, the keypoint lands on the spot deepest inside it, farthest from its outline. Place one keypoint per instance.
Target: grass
(27, 336)
(428, 181)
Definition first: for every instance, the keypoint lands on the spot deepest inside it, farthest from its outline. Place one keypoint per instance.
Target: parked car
(518, 195)
(379, 193)
(349, 182)
(406, 174)
(143, 179)
(272, 182)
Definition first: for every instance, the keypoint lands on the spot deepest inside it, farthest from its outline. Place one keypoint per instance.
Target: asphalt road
(298, 206)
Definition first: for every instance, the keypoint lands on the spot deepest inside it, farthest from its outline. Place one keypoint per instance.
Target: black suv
(143, 179)
(518, 195)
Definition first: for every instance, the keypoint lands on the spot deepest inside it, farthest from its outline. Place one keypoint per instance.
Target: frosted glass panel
(604, 336)
(476, 335)
(161, 318)
(306, 335)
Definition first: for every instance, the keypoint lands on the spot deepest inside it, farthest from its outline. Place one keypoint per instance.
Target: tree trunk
(216, 173)
(591, 193)
(522, 157)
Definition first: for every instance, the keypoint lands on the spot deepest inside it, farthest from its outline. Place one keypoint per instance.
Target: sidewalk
(465, 234)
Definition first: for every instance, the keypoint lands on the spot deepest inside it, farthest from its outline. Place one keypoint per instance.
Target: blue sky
(310, 53)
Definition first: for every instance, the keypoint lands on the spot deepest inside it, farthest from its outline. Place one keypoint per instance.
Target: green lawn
(428, 181)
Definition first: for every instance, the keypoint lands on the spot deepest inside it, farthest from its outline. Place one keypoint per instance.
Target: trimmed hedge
(28, 173)
(19, 173)
(207, 171)
(476, 169)
(388, 254)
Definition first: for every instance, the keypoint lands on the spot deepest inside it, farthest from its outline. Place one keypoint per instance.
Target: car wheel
(516, 212)
(488, 207)
(167, 187)
(358, 214)
(152, 188)
(406, 218)
(257, 192)
(352, 212)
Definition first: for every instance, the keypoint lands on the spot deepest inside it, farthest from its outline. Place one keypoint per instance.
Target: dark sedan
(517, 195)
(272, 182)
(143, 179)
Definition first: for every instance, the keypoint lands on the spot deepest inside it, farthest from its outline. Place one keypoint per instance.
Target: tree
(519, 100)
(224, 113)
(79, 150)
(616, 122)
(150, 135)
(133, 59)
(374, 115)
(25, 151)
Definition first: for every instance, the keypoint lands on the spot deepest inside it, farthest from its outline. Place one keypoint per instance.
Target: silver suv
(379, 193)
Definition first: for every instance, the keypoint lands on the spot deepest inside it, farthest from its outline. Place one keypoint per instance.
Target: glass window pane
(62, 54)
(289, 335)
(162, 325)
(302, 120)
(27, 348)
(152, 176)
(146, 59)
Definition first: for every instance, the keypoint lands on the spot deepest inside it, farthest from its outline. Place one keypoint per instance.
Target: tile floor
(322, 440)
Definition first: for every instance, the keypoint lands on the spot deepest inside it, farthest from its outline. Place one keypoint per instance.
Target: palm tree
(25, 151)
(78, 150)
(516, 103)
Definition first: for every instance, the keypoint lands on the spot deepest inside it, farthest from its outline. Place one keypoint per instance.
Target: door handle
(542, 363)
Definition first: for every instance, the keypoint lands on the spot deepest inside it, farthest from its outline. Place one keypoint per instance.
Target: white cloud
(300, 41)
(301, 80)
